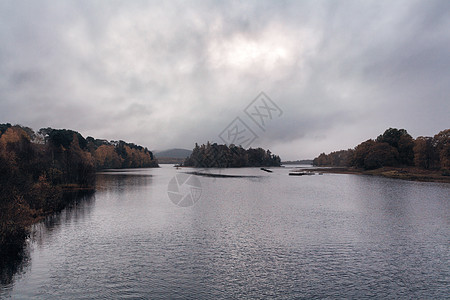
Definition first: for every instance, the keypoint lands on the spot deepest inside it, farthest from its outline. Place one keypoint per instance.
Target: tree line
(394, 148)
(223, 156)
(36, 167)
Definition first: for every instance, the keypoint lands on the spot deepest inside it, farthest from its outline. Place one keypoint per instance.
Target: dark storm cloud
(172, 73)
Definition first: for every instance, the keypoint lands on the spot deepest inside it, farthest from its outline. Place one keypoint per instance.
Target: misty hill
(173, 153)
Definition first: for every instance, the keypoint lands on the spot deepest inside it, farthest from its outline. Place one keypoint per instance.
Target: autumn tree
(441, 142)
(106, 157)
(80, 164)
(371, 155)
(321, 160)
(445, 157)
(380, 155)
(402, 141)
(340, 158)
(425, 155)
(17, 173)
(34, 168)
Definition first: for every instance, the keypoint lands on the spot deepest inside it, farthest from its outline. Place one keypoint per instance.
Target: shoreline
(13, 244)
(404, 173)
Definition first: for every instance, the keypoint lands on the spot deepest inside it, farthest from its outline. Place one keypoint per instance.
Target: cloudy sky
(167, 74)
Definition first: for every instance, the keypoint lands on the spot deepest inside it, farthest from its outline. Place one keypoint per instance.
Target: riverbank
(405, 173)
(17, 218)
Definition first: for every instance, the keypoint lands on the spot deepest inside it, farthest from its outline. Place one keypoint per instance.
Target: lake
(268, 235)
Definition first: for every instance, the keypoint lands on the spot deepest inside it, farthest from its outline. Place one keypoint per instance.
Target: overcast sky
(168, 74)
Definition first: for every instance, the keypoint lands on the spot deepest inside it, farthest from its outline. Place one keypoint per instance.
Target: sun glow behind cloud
(265, 52)
(170, 74)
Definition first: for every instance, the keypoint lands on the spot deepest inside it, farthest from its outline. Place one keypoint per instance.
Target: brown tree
(425, 155)
(107, 157)
(372, 155)
(441, 142)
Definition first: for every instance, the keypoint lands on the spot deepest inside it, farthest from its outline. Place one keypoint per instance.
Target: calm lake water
(267, 236)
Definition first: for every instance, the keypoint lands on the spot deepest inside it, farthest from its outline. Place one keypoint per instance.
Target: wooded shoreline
(404, 173)
(38, 170)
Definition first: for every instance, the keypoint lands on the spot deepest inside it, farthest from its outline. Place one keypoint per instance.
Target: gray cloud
(173, 73)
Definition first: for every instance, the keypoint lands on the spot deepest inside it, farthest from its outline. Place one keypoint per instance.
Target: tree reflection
(15, 262)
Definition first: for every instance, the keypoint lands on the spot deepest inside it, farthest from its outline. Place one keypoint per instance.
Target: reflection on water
(15, 265)
(271, 235)
(120, 181)
(80, 205)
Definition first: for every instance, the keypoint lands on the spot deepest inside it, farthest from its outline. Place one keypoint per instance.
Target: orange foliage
(106, 157)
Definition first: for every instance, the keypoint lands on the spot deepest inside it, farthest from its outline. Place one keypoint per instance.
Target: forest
(394, 148)
(36, 168)
(223, 156)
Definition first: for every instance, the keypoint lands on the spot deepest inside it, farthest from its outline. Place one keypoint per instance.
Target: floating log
(221, 175)
(266, 170)
(300, 173)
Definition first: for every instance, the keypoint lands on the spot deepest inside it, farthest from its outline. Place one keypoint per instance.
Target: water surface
(268, 235)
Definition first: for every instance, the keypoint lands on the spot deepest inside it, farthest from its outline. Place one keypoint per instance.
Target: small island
(232, 156)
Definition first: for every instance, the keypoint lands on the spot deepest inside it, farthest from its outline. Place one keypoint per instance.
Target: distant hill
(173, 153)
